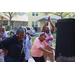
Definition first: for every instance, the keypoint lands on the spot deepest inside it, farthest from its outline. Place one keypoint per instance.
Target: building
(38, 19)
(15, 22)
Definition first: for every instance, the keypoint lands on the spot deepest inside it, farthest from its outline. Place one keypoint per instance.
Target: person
(49, 39)
(4, 31)
(27, 45)
(13, 46)
(2, 53)
(38, 48)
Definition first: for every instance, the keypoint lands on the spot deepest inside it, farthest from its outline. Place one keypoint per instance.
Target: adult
(2, 53)
(13, 46)
(39, 47)
(4, 31)
(27, 45)
(49, 39)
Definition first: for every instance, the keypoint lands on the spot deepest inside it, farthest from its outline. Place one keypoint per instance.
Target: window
(21, 23)
(36, 13)
(26, 23)
(5, 22)
(33, 14)
(33, 24)
(28, 28)
(36, 24)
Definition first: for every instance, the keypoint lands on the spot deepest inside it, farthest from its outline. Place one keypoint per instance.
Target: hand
(29, 37)
(49, 39)
(49, 18)
(54, 49)
(24, 60)
(6, 53)
(51, 52)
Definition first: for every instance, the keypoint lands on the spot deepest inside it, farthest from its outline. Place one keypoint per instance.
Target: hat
(3, 27)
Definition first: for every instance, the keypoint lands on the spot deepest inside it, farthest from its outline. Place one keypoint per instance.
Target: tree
(61, 14)
(10, 15)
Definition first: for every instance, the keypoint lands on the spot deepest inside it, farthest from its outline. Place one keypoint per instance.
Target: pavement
(32, 60)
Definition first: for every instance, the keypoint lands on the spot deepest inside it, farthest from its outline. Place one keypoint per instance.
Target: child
(1, 54)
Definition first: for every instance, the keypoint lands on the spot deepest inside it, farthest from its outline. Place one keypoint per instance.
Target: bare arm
(52, 29)
(50, 48)
(44, 50)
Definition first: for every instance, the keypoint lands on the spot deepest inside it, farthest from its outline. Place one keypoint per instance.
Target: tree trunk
(61, 16)
(10, 24)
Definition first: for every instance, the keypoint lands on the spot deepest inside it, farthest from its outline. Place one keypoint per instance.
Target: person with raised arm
(49, 39)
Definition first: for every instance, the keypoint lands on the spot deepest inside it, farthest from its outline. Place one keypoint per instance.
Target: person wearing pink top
(49, 39)
(1, 54)
(39, 47)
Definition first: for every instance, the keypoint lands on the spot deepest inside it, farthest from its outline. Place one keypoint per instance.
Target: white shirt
(27, 46)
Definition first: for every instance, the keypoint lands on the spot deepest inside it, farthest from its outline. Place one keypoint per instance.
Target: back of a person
(35, 51)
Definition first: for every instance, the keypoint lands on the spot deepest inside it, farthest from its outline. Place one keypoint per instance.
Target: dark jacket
(13, 46)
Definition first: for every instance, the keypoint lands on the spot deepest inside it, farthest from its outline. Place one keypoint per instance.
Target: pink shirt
(49, 37)
(35, 52)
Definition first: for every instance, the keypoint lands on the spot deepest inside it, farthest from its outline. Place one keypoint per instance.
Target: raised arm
(52, 29)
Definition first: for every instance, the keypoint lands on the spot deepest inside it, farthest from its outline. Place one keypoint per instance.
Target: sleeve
(45, 44)
(38, 44)
(29, 44)
(5, 43)
(6, 34)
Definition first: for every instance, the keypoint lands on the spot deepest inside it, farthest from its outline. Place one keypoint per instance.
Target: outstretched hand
(49, 18)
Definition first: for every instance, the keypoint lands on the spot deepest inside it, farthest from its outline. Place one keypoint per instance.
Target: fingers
(51, 52)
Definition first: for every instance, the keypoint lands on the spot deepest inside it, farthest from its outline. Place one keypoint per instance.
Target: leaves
(62, 14)
(10, 15)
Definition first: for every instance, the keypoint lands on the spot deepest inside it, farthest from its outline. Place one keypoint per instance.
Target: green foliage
(62, 14)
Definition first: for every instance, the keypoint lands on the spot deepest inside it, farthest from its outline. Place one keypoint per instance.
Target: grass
(7, 31)
(32, 40)
(54, 35)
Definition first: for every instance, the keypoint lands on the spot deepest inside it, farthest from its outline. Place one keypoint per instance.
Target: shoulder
(12, 38)
(36, 40)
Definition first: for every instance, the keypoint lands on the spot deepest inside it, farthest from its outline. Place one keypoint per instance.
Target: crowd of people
(16, 48)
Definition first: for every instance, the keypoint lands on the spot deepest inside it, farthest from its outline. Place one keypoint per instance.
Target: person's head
(42, 36)
(47, 29)
(25, 29)
(20, 33)
(3, 29)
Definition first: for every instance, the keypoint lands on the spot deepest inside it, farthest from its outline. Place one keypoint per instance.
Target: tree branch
(6, 14)
(14, 14)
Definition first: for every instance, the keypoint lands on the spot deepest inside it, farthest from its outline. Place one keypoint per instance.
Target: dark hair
(20, 29)
(65, 59)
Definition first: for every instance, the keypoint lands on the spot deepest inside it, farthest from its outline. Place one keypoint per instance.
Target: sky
(25, 16)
